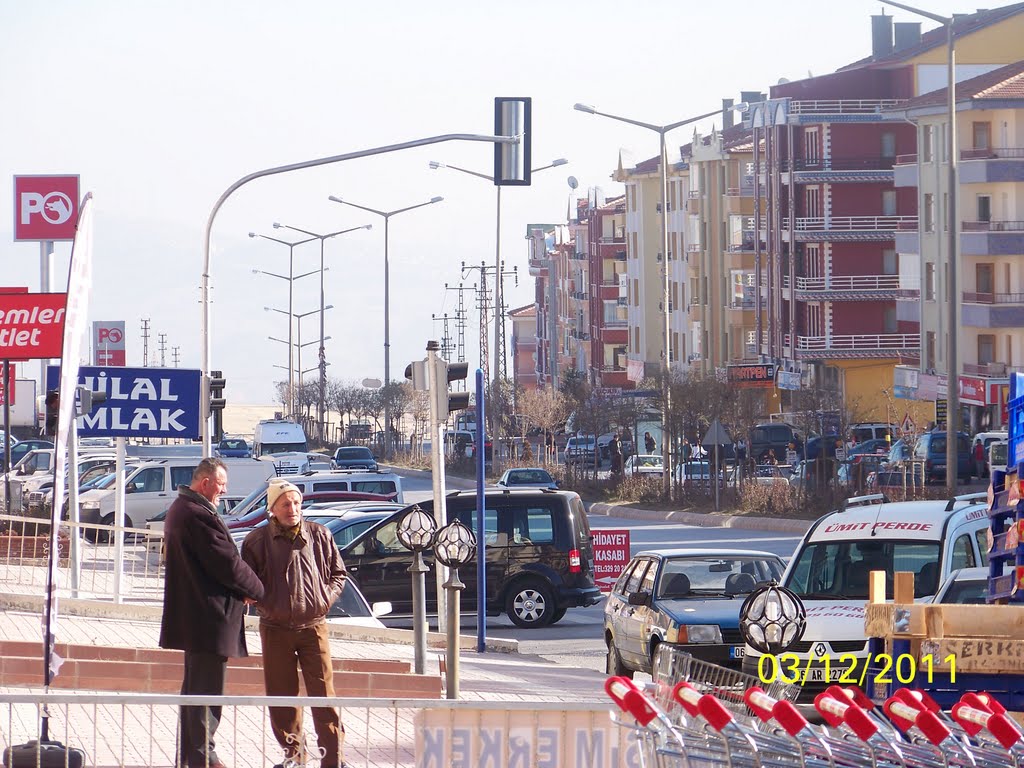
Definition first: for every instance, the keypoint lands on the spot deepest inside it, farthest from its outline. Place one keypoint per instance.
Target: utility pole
(502, 361)
(175, 356)
(447, 346)
(483, 304)
(460, 325)
(162, 345)
(145, 342)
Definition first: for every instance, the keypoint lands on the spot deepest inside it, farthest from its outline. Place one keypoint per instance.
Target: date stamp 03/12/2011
(850, 669)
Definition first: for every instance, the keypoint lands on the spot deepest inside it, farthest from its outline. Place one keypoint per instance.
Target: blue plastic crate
(1015, 415)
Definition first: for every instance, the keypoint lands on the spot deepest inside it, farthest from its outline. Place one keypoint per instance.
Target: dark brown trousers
(284, 652)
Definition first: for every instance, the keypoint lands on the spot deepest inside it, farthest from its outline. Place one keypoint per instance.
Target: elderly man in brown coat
(206, 587)
(302, 575)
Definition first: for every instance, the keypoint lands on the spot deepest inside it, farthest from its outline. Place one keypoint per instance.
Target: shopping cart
(672, 665)
(704, 731)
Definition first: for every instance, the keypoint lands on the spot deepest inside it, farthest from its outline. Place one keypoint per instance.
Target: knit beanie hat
(276, 489)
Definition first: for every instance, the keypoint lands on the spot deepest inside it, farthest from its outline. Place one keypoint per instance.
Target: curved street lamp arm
(204, 399)
(412, 207)
(334, 199)
(479, 175)
(919, 12)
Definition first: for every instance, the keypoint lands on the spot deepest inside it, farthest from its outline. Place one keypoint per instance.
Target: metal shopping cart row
(694, 722)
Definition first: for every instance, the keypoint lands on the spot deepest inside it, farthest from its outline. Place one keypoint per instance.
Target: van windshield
(282, 448)
(840, 570)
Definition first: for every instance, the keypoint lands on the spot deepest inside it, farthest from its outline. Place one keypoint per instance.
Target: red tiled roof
(936, 37)
(1002, 83)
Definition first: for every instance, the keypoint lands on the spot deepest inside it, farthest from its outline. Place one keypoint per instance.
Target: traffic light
(447, 401)
(513, 117)
(52, 408)
(416, 372)
(217, 403)
(89, 399)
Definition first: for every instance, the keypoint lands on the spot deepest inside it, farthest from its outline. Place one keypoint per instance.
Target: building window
(889, 320)
(890, 264)
(812, 202)
(927, 142)
(985, 278)
(982, 135)
(888, 145)
(984, 208)
(929, 212)
(986, 348)
(636, 292)
(636, 340)
(888, 202)
(929, 351)
(811, 150)
(929, 281)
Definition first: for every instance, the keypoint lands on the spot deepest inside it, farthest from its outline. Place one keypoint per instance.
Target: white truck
(285, 441)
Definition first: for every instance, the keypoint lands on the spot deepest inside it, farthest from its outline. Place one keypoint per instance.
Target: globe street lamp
(454, 546)
(291, 277)
(322, 394)
(387, 299)
(499, 352)
(772, 618)
(666, 359)
(416, 532)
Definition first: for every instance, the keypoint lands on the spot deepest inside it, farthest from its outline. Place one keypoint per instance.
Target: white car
(352, 609)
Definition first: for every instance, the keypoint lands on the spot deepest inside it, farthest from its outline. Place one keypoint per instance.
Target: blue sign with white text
(141, 402)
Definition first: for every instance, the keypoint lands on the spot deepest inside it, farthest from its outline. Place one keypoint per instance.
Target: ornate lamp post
(772, 618)
(416, 532)
(453, 547)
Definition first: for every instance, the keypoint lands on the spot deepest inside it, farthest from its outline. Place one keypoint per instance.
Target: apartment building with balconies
(544, 265)
(644, 275)
(524, 346)
(720, 296)
(828, 211)
(990, 222)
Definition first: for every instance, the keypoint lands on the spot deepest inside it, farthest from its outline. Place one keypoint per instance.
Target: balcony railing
(859, 342)
(992, 226)
(610, 240)
(993, 298)
(839, 164)
(693, 247)
(993, 153)
(841, 106)
(853, 223)
(909, 159)
(849, 283)
(693, 194)
(995, 370)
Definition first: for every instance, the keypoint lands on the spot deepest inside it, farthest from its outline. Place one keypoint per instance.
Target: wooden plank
(876, 587)
(903, 588)
(993, 656)
(880, 620)
(937, 621)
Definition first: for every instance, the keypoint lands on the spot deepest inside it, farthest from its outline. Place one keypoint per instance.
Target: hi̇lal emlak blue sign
(141, 402)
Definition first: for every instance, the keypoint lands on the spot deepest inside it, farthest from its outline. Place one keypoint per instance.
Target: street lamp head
(335, 199)
(584, 108)
(434, 165)
(436, 199)
(252, 234)
(742, 107)
(416, 529)
(277, 225)
(558, 162)
(256, 271)
(454, 545)
(267, 309)
(367, 226)
(329, 306)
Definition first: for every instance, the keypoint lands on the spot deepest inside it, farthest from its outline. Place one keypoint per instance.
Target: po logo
(55, 207)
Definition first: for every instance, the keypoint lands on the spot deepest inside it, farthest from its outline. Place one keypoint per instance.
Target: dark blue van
(931, 449)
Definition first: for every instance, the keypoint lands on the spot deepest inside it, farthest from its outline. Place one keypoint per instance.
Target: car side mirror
(639, 598)
(380, 609)
(558, 483)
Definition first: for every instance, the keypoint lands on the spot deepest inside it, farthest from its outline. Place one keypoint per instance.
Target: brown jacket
(301, 578)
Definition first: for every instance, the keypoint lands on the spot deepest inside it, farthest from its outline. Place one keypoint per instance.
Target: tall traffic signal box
(217, 403)
(444, 374)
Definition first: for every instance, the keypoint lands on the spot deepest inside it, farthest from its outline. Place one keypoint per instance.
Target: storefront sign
(108, 345)
(972, 390)
(788, 380)
(45, 207)
(752, 376)
(611, 553)
(32, 325)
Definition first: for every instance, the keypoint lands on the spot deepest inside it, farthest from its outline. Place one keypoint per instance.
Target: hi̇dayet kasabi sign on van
(141, 402)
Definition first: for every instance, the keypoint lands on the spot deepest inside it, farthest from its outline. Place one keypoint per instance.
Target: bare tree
(545, 409)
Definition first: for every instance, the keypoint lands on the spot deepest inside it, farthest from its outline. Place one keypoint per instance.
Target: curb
(105, 610)
(710, 520)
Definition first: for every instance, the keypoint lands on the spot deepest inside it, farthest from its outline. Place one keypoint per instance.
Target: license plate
(817, 674)
(737, 651)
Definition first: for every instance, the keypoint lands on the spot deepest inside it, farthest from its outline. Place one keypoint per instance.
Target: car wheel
(613, 663)
(98, 536)
(530, 604)
(558, 615)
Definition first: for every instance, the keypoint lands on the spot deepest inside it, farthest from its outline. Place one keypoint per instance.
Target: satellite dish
(572, 182)
(782, 81)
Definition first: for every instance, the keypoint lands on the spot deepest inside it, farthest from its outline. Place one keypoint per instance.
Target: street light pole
(291, 278)
(953, 246)
(322, 394)
(387, 302)
(499, 319)
(298, 344)
(666, 391)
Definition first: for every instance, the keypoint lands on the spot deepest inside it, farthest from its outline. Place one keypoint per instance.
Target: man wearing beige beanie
(302, 575)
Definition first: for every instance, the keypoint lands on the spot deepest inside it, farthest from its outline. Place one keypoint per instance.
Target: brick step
(165, 677)
(69, 651)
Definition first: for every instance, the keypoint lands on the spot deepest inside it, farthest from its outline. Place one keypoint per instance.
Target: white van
(278, 436)
(998, 451)
(830, 573)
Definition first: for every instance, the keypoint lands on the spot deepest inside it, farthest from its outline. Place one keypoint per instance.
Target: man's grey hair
(208, 468)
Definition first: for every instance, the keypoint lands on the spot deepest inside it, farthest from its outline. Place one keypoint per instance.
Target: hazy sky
(160, 106)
